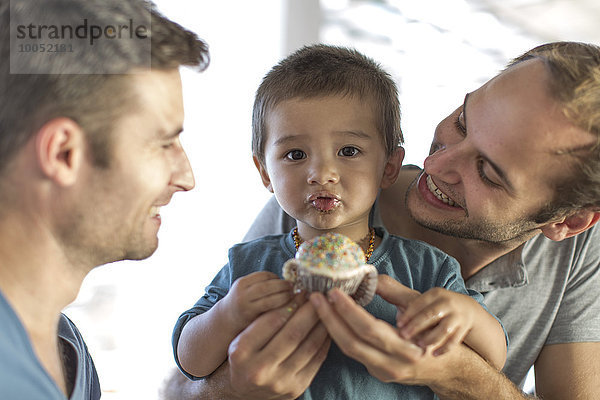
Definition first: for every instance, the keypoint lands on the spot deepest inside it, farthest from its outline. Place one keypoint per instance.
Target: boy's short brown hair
(324, 70)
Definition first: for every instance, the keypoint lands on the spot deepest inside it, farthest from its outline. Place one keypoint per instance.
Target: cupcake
(332, 261)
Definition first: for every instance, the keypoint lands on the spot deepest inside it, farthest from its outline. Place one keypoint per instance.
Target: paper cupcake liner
(323, 284)
(366, 290)
(361, 287)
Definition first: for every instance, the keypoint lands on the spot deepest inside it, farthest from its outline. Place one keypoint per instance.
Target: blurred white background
(437, 50)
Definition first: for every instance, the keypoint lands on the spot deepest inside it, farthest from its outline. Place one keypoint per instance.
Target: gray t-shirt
(544, 292)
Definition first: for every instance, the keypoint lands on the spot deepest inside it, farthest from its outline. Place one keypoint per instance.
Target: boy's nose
(323, 173)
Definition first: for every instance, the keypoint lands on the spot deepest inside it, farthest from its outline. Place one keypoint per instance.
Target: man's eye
(295, 155)
(460, 123)
(484, 176)
(435, 146)
(348, 151)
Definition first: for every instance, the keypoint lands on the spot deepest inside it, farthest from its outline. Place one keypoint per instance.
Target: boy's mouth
(324, 202)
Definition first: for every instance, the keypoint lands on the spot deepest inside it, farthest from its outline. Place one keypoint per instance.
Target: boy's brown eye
(295, 155)
(348, 151)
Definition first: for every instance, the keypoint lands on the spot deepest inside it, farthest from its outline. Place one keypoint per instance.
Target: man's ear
(571, 225)
(392, 168)
(59, 146)
(264, 175)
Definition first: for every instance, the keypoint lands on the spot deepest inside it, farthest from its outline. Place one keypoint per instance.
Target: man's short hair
(324, 70)
(574, 70)
(93, 100)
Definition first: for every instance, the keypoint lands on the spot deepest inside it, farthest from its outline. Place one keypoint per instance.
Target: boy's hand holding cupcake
(254, 294)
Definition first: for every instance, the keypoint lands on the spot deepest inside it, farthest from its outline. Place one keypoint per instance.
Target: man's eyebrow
(577, 149)
(494, 166)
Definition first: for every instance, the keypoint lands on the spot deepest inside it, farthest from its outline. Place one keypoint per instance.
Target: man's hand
(279, 354)
(275, 357)
(371, 341)
(457, 374)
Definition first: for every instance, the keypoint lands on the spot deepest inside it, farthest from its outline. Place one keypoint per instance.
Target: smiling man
(511, 189)
(89, 153)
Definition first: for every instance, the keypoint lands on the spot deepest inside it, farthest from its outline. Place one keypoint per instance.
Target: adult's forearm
(472, 378)
(214, 387)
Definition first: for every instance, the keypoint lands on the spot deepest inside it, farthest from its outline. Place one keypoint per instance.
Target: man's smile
(438, 193)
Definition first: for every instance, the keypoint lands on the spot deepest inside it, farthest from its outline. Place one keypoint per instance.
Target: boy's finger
(426, 319)
(259, 276)
(447, 346)
(271, 301)
(423, 303)
(394, 292)
(270, 286)
(438, 336)
(246, 282)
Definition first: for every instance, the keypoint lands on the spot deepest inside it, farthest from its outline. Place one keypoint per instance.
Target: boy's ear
(571, 225)
(264, 175)
(392, 168)
(60, 148)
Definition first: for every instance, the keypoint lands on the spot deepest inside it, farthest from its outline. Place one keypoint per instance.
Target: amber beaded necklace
(368, 253)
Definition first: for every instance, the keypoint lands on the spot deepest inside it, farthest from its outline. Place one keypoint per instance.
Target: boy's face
(325, 161)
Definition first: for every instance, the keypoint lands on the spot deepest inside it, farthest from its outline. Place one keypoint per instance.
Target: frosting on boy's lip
(324, 201)
(443, 197)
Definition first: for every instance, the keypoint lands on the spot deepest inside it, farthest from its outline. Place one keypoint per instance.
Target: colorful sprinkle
(331, 251)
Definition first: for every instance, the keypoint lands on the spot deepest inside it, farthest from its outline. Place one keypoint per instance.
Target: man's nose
(446, 162)
(182, 174)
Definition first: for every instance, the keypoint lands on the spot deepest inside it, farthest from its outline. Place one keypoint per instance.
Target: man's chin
(442, 228)
(141, 252)
(486, 233)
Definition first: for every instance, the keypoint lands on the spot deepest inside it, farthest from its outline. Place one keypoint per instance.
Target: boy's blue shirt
(413, 263)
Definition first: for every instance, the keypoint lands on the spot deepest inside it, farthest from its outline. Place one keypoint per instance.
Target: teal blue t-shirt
(22, 377)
